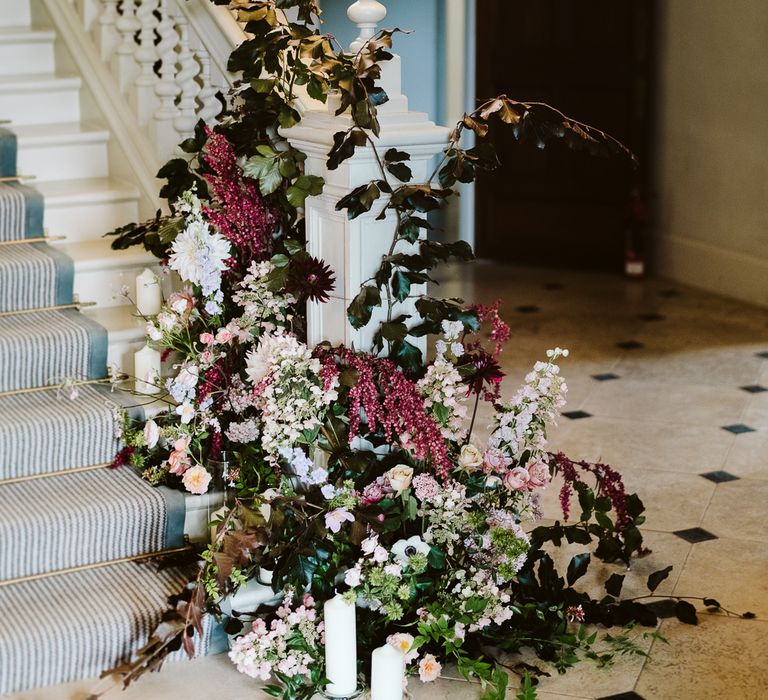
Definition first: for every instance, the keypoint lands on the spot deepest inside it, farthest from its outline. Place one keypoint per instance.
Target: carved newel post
(354, 248)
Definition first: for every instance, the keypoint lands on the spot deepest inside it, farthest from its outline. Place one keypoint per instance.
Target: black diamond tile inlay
(631, 695)
(738, 428)
(763, 354)
(630, 345)
(754, 388)
(651, 317)
(695, 535)
(527, 309)
(669, 293)
(553, 285)
(606, 376)
(575, 415)
(720, 476)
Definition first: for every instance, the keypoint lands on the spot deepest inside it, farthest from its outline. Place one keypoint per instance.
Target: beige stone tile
(673, 501)
(599, 682)
(727, 366)
(731, 571)
(738, 511)
(626, 444)
(688, 404)
(717, 659)
(756, 413)
(748, 456)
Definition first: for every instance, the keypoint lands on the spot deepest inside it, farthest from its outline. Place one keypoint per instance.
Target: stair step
(15, 13)
(78, 624)
(27, 51)
(74, 520)
(39, 99)
(100, 272)
(42, 348)
(64, 151)
(125, 333)
(86, 209)
(28, 420)
(20, 263)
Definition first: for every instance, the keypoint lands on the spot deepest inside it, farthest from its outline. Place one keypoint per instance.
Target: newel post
(354, 249)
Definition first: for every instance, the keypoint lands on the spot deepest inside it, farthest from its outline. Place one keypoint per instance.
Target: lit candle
(387, 673)
(149, 295)
(340, 647)
(146, 369)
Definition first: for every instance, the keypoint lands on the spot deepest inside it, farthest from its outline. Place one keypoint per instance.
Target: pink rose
(178, 462)
(181, 444)
(494, 460)
(516, 479)
(538, 474)
(207, 338)
(223, 336)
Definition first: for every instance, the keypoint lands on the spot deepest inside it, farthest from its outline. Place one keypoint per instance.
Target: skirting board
(713, 269)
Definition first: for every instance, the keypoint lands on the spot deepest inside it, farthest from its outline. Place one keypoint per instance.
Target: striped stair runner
(70, 605)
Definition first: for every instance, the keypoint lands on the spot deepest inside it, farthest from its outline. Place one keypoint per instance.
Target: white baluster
(145, 100)
(89, 12)
(125, 63)
(108, 36)
(185, 79)
(366, 14)
(209, 104)
(166, 89)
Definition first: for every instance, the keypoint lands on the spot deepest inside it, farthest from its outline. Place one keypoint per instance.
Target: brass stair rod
(17, 178)
(38, 239)
(48, 475)
(97, 565)
(60, 307)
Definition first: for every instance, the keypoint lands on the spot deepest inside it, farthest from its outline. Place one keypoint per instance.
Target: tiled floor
(666, 385)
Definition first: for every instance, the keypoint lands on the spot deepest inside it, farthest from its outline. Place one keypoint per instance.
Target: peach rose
(400, 477)
(196, 480)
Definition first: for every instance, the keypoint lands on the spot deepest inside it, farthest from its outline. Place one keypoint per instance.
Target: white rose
(151, 433)
(470, 457)
(400, 477)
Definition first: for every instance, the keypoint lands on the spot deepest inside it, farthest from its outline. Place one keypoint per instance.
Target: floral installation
(362, 473)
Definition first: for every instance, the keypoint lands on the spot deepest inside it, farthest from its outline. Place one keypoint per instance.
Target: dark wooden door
(594, 61)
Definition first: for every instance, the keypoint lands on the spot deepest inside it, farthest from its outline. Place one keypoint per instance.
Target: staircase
(79, 590)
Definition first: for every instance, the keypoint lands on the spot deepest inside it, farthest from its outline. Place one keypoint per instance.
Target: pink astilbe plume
(238, 210)
(391, 402)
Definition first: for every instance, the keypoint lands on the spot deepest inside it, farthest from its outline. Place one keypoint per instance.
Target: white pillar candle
(146, 369)
(340, 647)
(149, 295)
(387, 673)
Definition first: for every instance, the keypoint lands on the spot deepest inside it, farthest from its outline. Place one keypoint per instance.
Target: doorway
(594, 61)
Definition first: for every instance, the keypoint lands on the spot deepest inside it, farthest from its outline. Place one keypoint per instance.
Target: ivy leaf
(613, 584)
(360, 310)
(401, 171)
(401, 285)
(359, 200)
(344, 144)
(686, 612)
(478, 126)
(305, 186)
(263, 86)
(577, 567)
(407, 356)
(410, 227)
(657, 577)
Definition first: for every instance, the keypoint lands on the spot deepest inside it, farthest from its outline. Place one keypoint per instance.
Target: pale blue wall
(422, 52)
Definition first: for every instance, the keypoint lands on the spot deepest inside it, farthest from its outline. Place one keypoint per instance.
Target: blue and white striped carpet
(62, 511)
